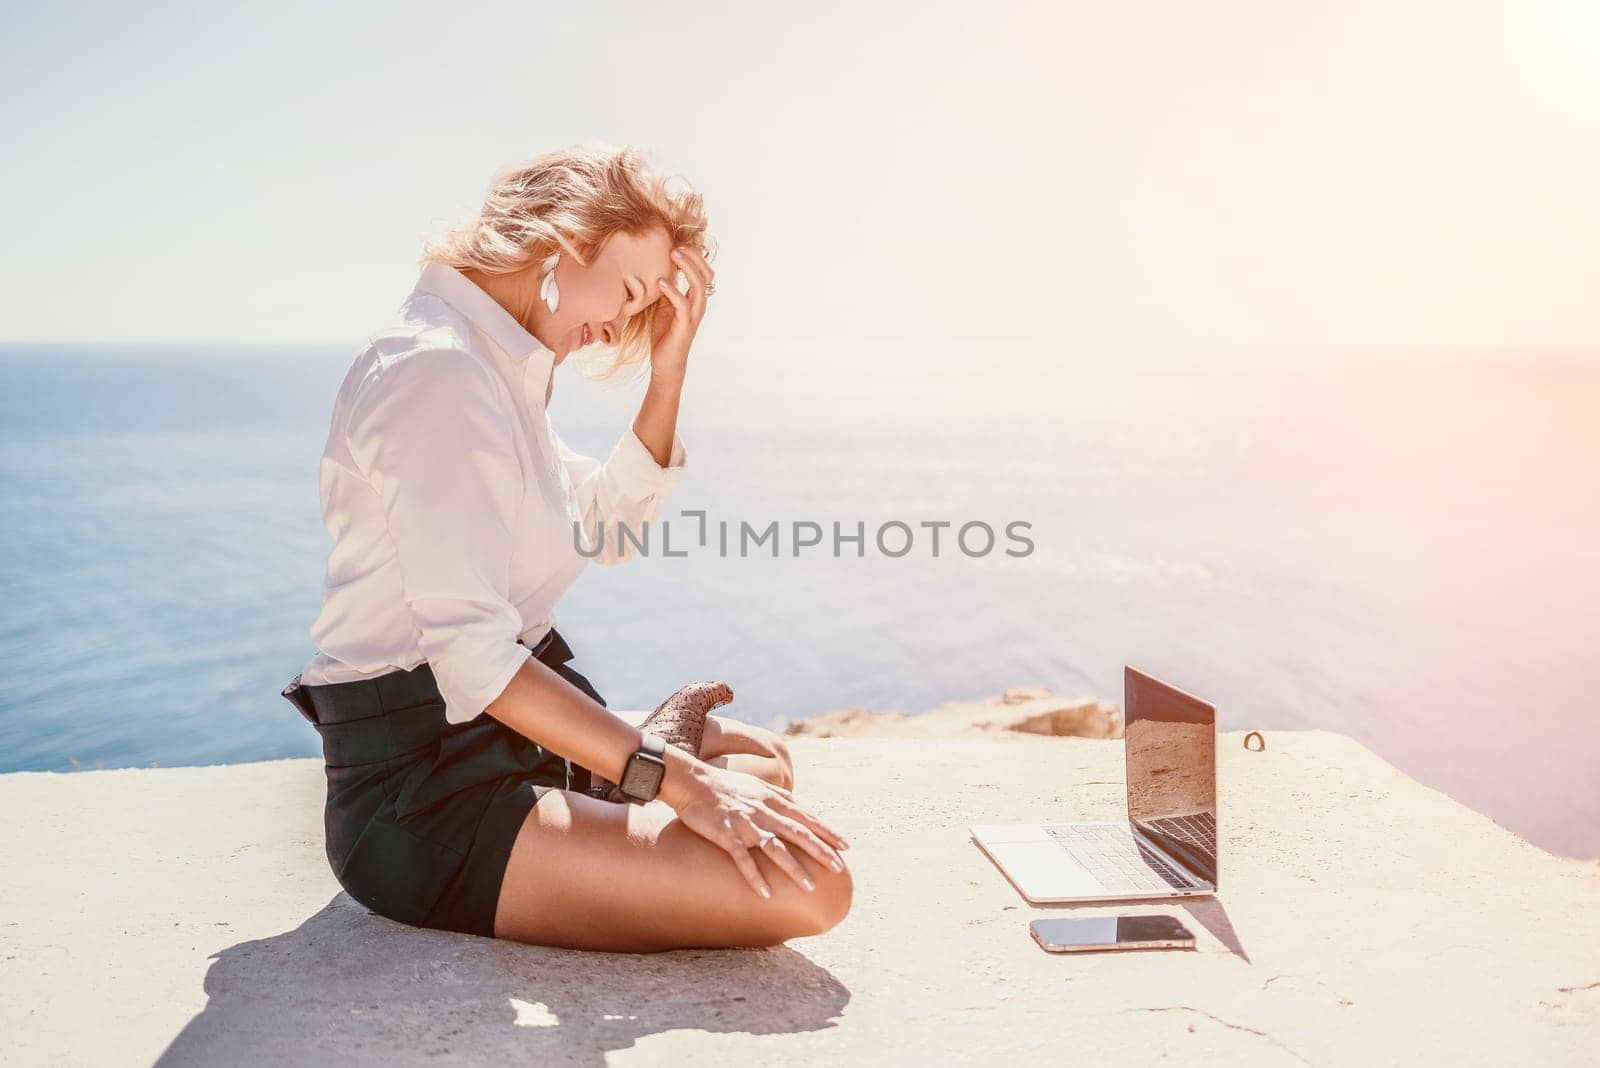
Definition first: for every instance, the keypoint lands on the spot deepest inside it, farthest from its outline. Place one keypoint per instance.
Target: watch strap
(652, 749)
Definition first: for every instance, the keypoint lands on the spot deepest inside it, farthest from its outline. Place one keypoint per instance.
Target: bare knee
(820, 910)
(780, 753)
(728, 737)
(794, 912)
(830, 901)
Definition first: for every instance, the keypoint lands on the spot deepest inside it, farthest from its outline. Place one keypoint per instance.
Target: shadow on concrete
(352, 985)
(1210, 914)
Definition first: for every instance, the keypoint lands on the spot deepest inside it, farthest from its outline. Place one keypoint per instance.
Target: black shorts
(421, 813)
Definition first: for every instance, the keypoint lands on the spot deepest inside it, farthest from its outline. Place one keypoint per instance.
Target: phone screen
(1110, 932)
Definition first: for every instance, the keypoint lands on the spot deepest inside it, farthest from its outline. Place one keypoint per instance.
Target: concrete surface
(187, 915)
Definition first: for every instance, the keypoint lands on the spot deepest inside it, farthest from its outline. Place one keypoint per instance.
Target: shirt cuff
(636, 472)
(475, 684)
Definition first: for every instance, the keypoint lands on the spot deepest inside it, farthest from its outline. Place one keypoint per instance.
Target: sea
(1404, 550)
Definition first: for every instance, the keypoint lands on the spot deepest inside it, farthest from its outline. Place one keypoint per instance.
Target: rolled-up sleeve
(629, 489)
(431, 435)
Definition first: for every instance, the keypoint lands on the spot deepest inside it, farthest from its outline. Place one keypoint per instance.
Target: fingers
(740, 852)
(680, 303)
(694, 264)
(806, 839)
(751, 837)
(779, 854)
(699, 273)
(792, 809)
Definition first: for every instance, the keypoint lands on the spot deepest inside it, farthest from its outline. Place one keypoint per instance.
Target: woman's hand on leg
(741, 812)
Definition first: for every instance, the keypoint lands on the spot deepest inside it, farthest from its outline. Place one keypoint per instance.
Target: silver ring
(766, 836)
(711, 287)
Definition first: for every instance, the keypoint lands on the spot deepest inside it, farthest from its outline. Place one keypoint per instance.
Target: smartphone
(1078, 934)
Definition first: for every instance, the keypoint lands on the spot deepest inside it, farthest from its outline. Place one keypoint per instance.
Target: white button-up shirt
(451, 500)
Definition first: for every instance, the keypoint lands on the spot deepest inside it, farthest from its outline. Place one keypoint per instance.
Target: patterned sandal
(680, 720)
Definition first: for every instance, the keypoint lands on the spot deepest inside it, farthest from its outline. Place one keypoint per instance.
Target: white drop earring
(548, 290)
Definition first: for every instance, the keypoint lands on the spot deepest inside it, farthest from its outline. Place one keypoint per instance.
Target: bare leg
(592, 874)
(733, 743)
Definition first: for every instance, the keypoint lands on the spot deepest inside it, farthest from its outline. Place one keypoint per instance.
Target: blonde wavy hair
(571, 200)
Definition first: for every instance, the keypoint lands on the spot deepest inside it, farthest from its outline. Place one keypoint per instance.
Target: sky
(1259, 176)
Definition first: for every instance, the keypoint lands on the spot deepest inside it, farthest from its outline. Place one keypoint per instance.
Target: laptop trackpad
(1045, 870)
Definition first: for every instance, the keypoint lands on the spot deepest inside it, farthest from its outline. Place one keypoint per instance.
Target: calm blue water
(1408, 556)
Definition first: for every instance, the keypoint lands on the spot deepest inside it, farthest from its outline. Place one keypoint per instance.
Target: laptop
(1167, 847)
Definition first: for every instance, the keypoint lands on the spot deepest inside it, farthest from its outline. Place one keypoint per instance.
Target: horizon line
(942, 342)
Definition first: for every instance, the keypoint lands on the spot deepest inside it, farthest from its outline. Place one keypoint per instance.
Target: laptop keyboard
(1198, 831)
(1119, 860)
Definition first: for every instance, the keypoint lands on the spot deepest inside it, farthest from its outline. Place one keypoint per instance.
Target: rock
(848, 723)
(1027, 710)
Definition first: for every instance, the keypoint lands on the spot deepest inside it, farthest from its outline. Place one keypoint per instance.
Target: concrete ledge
(187, 915)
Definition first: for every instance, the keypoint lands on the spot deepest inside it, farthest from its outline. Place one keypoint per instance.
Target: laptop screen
(1171, 747)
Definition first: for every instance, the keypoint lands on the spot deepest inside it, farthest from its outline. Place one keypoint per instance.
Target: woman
(457, 739)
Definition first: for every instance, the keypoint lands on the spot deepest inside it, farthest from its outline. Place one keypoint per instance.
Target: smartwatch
(641, 779)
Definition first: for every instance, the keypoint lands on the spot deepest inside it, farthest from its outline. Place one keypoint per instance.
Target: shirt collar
(484, 312)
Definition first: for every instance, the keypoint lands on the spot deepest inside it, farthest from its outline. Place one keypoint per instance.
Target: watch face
(642, 779)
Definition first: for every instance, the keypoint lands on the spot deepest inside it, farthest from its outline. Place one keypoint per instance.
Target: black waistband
(335, 704)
